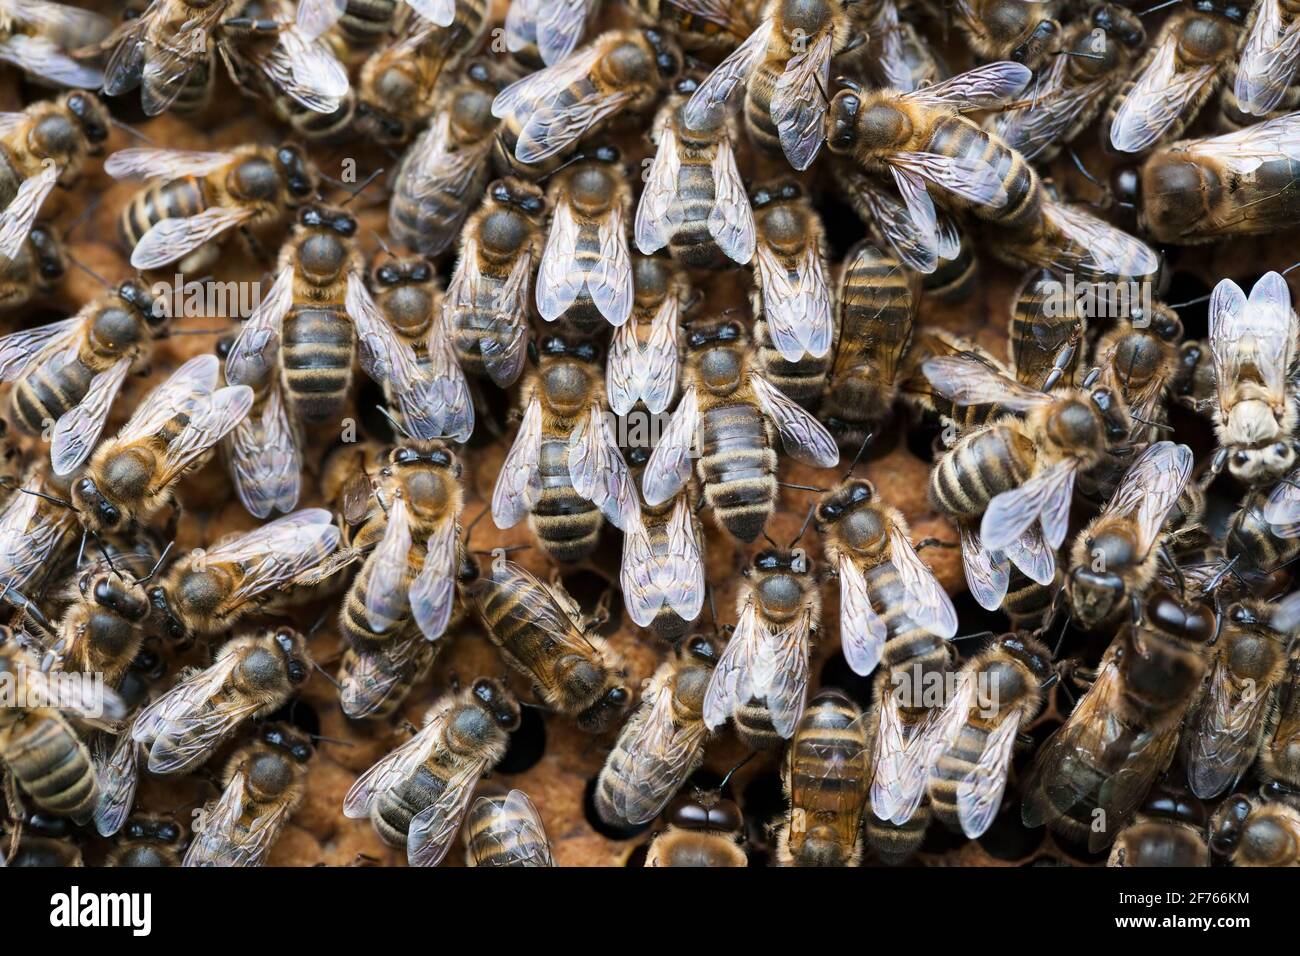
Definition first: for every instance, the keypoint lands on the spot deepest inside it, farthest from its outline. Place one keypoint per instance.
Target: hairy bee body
(1169, 831)
(1251, 831)
(365, 23)
(705, 831)
(148, 840)
(895, 844)
(49, 761)
(505, 831)
(958, 136)
(738, 467)
(982, 465)
(176, 199)
(34, 272)
(1253, 543)
(1009, 30)
(1028, 603)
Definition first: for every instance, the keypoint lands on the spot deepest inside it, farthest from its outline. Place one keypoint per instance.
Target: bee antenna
(1087, 56)
(362, 188)
(1197, 301)
(848, 84)
(382, 245)
(713, 608)
(103, 552)
(89, 271)
(157, 564)
(727, 779)
(1060, 641)
(978, 635)
(131, 131)
(1213, 584)
(1159, 6)
(81, 218)
(469, 529)
(395, 423)
(1078, 164)
(862, 449)
(1294, 265)
(806, 522)
(331, 740)
(768, 537)
(791, 484)
(576, 158)
(58, 501)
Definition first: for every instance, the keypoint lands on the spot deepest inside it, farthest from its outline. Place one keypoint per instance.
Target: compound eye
(297, 673)
(387, 275)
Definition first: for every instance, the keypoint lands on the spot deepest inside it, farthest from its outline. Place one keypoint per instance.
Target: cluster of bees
(544, 267)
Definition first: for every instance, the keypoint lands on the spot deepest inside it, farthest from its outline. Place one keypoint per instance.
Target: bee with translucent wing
(643, 360)
(1269, 57)
(34, 36)
(286, 48)
(263, 452)
(544, 32)
(506, 831)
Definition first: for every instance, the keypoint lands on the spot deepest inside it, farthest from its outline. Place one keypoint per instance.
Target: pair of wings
(660, 213)
(1162, 92)
(300, 63)
(920, 251)
(555, 26)
(93, 702)
(1149, 491)
(117, 773)
(437, 168)
(471, 295)
(645, 370)
(514, 834)
(265, 460)
(151, 47)
(606, 278)
(1253, 339)
(29, 539)
(1053, 105)
(41, 53)
(596, 468)
(668, 574)
(796, 302)
(395, 587)
(822, 777)
(1084, 243)
(374, 674)
(227, 839)
(19, 216)
(804, 438)
(762, 664)
(988, 573)
(863, 631)
(1268, 59)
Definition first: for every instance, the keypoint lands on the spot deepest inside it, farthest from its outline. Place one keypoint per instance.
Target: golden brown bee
(704, 830)
(148, 840)
(999, 692)
(265, 783)
(586, 269)
(132, 476)
(446, 169)
(1249, 831)
(108, 339)
(1263, 81)
(489, 297)
(543, 634)
(662, 743)
(199, 196)
(418, 794)
(252, 676)
(694, 201)
(1026, 32)
(877, 300)
(35, 35)
(1169, 830)
(1262, 534)
(506, 831)
(374, 682)
(735, 412)
(1045, 333)
(549, 111)
(209, 590)
(35, 529)
(794, 319)
(1116, 557)
(1139, 358)
(564, 472)
(1177, 75)
(1070, 239)
(44, 146)
(35, 271)
(167, 52)
(826, 774)
(1095, 770)
(761, 680)
(643, 361)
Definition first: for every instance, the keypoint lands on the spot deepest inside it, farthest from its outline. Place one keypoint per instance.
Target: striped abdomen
(1028, 602)
(583, 318)
(957, 136)
(46, 391)
(1252, 542)
(498, 835)
(889, 598)
(335, 127)
(178, 199)
(763, 134)
(753, 725)
(829, 761)
(804, 380)
(953, 279)
(392, 606)
(469, 328)
(642, 801)
(196, 92)
(979, 467)
(895, 845)
(692, 244)
(738, 468)
(953, 766)
(316, 361)
(392, 811)
(51, 765)
(429, 220)
(365, 22)
(565, 523)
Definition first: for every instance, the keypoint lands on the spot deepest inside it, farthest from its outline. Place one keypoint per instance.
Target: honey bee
(417, 795)
(446, 169)
(265, 782)
(643, 361)
(694, 201)
(148, 840)
(253, 675)
(307, 321)
(886, 589)
(1267, 68)
(1169, 830)
(35, 37)
(506, 831)
(35, 272)
(374, 682)
(263, 453)
(488, 300)
(826, 774)
(586, 269)
(36, 527)
(1044, 343)
(1067, 239)
(705, 829)
(1025, 32)
(132, 476)
(1262, 534)
(1115, 558)
(969, 776)
(68, 373)
(543, 634)
(1095, 57)
(733, 409)
(209, 590)
(1249, 831)
(1139, 359)
(1095, 770)
(783, 66)
(877, 301)
(898, 56)
(199, 196)
(761, 679)
(920, 138)
(547, 112)
(1176, 76)
(564, 470)
(540, 33)
(44, 146)
(1237, 184)
(662, 743)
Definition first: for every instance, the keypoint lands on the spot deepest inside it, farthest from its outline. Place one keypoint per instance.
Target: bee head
(109, 590)
(1228, 823)
(842, 121)
(468, 569)
(1231, 9)
(160, 829)
(431, 452)
(668, 56)
(1168, 801)
(524, 196)
(706, 811)
(51, 264)
(173, 627)
(1041, 39)
(613, 701)
(1257, 464)
(90, 114)
(786, 190)
(1029, 651)
(1119, 24)
(1193, 622)
(97, 512)
(498, 702)
(145, 306)
(700, 647)
(862, 528)
(288, 739)
(297, 666)
(297, 171)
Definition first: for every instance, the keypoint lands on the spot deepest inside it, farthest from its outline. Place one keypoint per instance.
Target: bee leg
(173, 519)
(258, 250)
(933, 543)
(14, 802)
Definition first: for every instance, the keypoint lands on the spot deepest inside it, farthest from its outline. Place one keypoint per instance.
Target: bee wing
(979, 793)
(19, 350)
(1110, 251)
(521, 25)
(555, 127)
(1268, 60)
(1245, 150)
(1052, 109)
(26, 544)
(524, 95)
(254, 847)
(731, 220)
(732, 682)
(987, 573)
(19, 216)
(610, 278)
(57, 18)
(659, 374)
(1044, 498)
(170, 239)
(931, 607)
(1157, 99)
(278, 551)
(862, 630)
(434, 588)
(559, 28)
(191, 720)
(966, 381)
(1150, 489)
(434, 170)
(433, 829)
(393, 768)
(503, 354)
(985, 87)
(183, 391)
(799, 103)
(212, 422)
(624, 374)
(389, 570)
(315, 18)
(440, 12)
(519, 482)
(1032, 556)
(718, 86)
(212, 845)
(903, 224)
(166, 164)
(660, 756)
(168, 65)
(899, 780)
(798, 306)
(781, 676)
(264, 459)
(118, 775)
(1252, 338)
(306, 70)
(99, 704)
(79, 428)
(1282, 510)
(892, 55)
(527, 843)
(252, 356)
(598, 470)
(658, 214)
(43, 58)
(559, 277)
(682, 577)
(804, 438)
(1223, 736)
(969, 177)
(642, 593)
(670, 463)
(126, 63)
